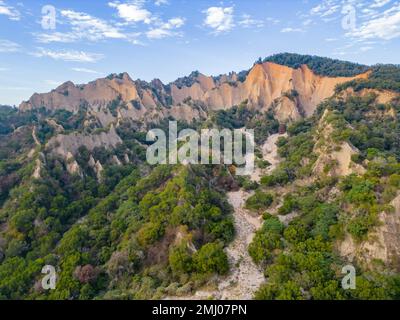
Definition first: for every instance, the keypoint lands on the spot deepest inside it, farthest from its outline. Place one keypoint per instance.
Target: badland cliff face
(291, 93)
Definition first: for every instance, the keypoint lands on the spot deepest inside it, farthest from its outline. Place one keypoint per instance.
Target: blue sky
(167, 39)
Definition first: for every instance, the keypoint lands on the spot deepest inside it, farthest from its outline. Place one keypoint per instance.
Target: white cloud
(10, 12)
(365, 49)
(166, 29)
(272, 20)
(379, 3)
(158, 33)
(330, 11)
(9, 46)
(87, 27)
(317, 10)
(90, 26)
(220, 19)
(385, 26)
(161, 2)
(289, 29)
(368, 13)
(174, 23)
(248, 22)
(15, 88)
(84, 70)
(137, 42)
(56, 37)
(132, 12)
(341, 53)
(326, 8)
(71, 55)
(84, 27)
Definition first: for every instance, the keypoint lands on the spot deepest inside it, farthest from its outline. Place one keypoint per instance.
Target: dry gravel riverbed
(245, 276)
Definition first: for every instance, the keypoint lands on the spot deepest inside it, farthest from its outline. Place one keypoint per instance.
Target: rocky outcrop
(39, 166)
(72, 165)
(96, 166)
(338, 162)
(383, 242)
(57, 128)
(62, 144)
(288, 109)
(382, 96)
(334, 159)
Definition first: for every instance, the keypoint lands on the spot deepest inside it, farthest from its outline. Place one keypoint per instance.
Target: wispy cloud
(166, 29)
(385, 26)
(325, 9)
(84, 27)
(219, 19)
(88, 27)
(161, 2)
(272, 20)
(9, 11)
(380, 3)
(84, 70)
(289, 29)
(365, 49)
(69, 55)
(248, 22)
(9, 88)
(9, 46)
(64, 37)
(93, 27)
(135, 12)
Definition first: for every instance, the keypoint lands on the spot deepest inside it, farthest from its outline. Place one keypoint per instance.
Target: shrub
(289, 204)
(266, 240)
(394, 180)
(86, 273)
(259, 201)
(211, 258)
(180, 260)
(149, 233)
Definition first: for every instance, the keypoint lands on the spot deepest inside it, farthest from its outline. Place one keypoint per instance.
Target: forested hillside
(302, 260)
(76, 192)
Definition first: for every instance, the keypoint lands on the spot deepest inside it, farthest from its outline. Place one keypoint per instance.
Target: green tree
(211, 258)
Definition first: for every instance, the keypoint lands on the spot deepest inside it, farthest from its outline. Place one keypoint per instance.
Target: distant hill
(319, 65)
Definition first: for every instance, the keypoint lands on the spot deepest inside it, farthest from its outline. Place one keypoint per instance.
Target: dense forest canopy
(322, 66)
(382, 77)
